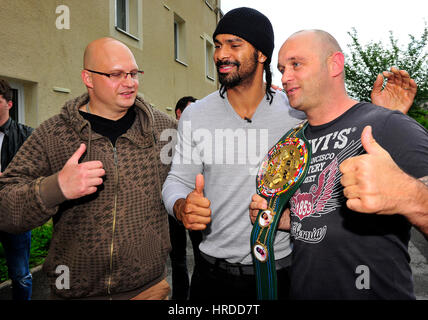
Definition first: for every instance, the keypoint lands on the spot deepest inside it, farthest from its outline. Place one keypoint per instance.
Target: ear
(336, 63)
(87, 79)
(261, 57)
(10, 104)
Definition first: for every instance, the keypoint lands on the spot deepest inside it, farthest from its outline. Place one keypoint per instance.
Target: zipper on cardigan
(116, 180)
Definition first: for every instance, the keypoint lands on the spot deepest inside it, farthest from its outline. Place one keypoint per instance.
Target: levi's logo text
(321, 193)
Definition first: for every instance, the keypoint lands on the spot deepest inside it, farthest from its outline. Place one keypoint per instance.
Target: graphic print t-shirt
(338, 253)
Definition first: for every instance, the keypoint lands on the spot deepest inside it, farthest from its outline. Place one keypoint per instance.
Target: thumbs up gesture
(372, 182)
(194, 211)
(80, 179)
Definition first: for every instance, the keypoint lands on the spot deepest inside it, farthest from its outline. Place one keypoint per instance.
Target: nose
(221, 53)
(128, 81)
(286, 77)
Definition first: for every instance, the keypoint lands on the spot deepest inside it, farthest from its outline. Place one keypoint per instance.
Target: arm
(373, 183)
(417, 209)
(399, 92)
(21, 204)
(182, 191)
(31, 191)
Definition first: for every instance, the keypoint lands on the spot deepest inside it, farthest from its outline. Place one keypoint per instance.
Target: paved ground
(418, 250)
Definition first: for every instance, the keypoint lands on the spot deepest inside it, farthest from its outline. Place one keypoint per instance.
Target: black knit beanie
(250, 25)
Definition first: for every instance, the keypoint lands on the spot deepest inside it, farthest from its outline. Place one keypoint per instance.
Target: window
(127, 17)
(17, 112)
(211, 4)
(209, 62)
(121, 12)
(179, 40)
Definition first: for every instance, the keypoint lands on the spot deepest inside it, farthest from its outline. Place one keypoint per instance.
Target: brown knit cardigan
(114, 242)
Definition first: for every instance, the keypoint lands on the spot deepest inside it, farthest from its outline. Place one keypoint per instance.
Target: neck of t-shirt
(111, 129)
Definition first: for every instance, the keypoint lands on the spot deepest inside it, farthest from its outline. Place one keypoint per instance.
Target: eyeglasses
(119, 75)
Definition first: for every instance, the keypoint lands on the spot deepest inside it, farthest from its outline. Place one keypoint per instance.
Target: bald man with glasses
(95, 169)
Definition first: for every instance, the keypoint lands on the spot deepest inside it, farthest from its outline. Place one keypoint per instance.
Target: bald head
(323, 42)
(108, 65)
(312, 66)
(104, 52)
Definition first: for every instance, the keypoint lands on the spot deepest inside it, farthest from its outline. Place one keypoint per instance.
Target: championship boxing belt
(280, 175)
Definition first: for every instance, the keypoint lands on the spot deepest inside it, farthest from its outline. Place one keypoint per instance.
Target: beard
(243, 71)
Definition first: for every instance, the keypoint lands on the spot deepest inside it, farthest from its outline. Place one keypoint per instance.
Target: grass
(40, 240)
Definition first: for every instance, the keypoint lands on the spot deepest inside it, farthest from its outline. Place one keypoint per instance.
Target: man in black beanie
(221, 140)
(256, 29)
(244, 42)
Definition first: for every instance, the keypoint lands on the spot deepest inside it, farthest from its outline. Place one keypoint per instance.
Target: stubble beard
(230, 81)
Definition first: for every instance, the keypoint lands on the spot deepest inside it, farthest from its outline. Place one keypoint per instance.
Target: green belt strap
(280, 175)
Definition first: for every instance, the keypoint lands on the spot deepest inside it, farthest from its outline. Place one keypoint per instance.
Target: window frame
(209, 62)
(127, 20)
(20, 104)
(207, 2)
(180, 40)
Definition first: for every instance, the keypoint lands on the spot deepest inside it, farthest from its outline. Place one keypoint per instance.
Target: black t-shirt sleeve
(406, 141)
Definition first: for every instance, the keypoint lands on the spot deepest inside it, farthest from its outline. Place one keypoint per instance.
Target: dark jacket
(115, 242)
(15, 135)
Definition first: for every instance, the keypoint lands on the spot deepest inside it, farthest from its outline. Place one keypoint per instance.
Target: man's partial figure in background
(182, 103)
(177, 232)
(16, 246)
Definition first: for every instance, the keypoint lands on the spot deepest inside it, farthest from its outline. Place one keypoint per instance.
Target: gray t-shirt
(215, 141)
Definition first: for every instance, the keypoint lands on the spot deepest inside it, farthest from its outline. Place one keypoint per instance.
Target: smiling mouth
(226, 68)
(292, 90)
(127, 93)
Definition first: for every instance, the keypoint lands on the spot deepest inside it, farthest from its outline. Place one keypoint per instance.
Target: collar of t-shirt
(111, 129)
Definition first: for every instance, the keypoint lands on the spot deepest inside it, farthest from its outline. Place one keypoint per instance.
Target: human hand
(259, 203)
(372, 182)
(80, 179)
(194, 211)
(275, 87)
(399, 92)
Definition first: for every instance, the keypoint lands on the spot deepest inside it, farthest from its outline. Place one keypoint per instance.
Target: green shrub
(365, 62)
(40, 240)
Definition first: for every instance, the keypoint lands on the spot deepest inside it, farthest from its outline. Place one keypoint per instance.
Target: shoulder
(26, 130)
(280, 102)
(205, 105)
(386, 121)
(364, 113)
(51, 128)
(160, 120)
(403, 137)
(371, 111)
(54, 122)
(206, 112)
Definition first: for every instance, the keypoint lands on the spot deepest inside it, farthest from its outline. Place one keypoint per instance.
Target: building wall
(39, 57)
